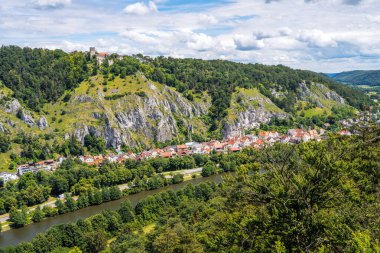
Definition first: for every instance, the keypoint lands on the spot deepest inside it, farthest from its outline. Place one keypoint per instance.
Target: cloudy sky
(320, 35)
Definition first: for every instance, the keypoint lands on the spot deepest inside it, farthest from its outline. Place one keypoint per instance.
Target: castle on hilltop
(100, 57)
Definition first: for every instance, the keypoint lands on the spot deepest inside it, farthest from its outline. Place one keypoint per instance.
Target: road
(191, 171)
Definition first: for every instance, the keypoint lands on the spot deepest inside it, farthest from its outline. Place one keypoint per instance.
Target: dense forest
(358, 77)
(311, 197)
(38, 76)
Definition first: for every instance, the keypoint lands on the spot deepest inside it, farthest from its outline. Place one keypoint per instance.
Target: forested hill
(51, 100)
(38, 76)
(358, 77)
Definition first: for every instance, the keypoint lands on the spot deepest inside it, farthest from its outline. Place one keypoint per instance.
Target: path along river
(27, 233)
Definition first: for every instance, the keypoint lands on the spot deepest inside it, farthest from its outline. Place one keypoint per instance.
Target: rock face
(317, 94)
(97, 115)
(81, 130)
(42, 123)
(27, 118)
(250, 112)
(11, 123)
(2, 128)
(12, 106)
(145, 112)
(135, 120)
(249, 119)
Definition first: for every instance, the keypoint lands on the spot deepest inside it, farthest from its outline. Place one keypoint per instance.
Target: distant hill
(358, 77)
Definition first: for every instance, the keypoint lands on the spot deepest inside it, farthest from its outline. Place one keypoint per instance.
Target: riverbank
(187, 175)
(16, 236)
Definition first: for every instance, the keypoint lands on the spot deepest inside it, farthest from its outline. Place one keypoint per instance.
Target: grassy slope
(326, 103)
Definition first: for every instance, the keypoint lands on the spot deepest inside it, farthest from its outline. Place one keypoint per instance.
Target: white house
(8, 176)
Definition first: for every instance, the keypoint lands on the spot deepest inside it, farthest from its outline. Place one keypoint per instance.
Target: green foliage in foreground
(313, 197)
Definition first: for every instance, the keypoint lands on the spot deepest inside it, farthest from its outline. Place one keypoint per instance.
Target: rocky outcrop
(42, 123)
(83, 99)
(11, 123)
(97, 115)
(80, 131)
(133, 120)
(2, 128)
(249, 119)
(249, 110)
(27, 118)
(319, 93)
(179, 104)
(12, 106)
(329, 94)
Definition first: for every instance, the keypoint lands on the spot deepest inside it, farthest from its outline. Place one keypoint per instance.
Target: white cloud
(141, 8)
(285, 31)
(248, 42)
(138, 36)
(200, 42)
(51, 3)
(317, 38)
(312, 35)
(208, 19)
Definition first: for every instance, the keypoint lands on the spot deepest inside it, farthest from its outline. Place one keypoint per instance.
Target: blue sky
(320, 35)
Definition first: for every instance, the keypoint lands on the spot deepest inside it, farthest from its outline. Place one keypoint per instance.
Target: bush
(141, 94)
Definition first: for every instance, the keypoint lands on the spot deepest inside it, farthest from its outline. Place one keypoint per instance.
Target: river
(27, 233)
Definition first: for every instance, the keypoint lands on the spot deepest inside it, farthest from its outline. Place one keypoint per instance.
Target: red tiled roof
(166, 154)
(218, 146)
(259, 142)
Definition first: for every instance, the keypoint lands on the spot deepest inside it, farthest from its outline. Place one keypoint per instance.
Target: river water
(27, 233)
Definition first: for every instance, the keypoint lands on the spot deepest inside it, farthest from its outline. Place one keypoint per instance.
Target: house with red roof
(235, 149)
(166, 155)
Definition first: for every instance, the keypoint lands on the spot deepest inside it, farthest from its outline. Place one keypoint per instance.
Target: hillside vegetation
(358, 77)
(51, 100)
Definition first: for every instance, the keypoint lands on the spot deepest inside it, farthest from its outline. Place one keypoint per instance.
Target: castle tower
(92, 51)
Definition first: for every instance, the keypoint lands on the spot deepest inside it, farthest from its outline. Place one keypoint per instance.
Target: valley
(85, 130)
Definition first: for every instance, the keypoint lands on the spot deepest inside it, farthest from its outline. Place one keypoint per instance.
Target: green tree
(70, 203)
(61, 207)
(49, 211)
(37, 214)
(115, 193)
(5, 143)
(209, 169)
(19, 218)
(177, 178)
(126, 212)
(95, 242)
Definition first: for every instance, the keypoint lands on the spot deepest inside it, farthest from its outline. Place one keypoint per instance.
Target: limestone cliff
(137, 112)
(135, 115)
(248, 110)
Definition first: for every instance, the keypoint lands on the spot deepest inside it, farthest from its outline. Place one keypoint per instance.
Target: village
(231, 144)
